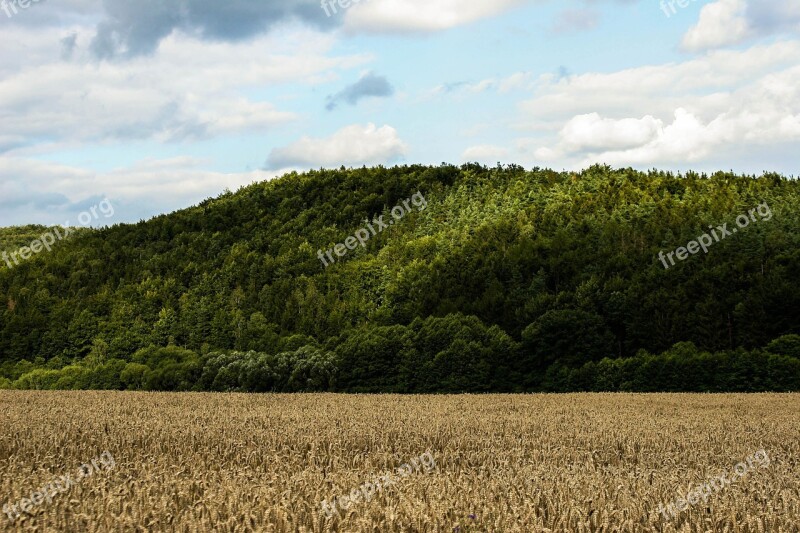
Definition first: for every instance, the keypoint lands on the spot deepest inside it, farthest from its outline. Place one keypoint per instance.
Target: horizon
(226, 191)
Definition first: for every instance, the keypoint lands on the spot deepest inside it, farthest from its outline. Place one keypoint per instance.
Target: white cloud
(730, 22)
(685, 139)
(54, 112)
(702, 84)
(189, 89)
(144, 189)
(592, 132)
(724, 102)
(721, 23)
(351, 145)
(402, 16)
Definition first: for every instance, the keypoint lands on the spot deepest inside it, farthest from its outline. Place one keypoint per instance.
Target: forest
(511, 280)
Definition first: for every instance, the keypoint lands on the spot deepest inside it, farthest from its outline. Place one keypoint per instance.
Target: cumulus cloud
(730, 22)
(412, 16)
(370, 85)
(721, 23)
(136, 28)
(351, 145)
(701, 84)
(77, 108)
(190, 90)
(592, 132)
(124, 29)
(633, 141)
(671, 114)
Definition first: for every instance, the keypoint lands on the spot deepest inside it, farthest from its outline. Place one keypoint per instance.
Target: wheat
(560, 463)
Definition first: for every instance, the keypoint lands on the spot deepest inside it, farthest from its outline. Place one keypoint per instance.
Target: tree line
(510, 280)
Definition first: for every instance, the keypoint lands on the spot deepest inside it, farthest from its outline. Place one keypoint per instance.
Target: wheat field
(234, 462)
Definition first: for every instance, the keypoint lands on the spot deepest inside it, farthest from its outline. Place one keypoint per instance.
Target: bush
(73, 377)
(312, 370)
(133, 376)
(787, 345)
(38, 379)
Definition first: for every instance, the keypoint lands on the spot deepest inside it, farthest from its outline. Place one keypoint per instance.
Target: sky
(158, 105)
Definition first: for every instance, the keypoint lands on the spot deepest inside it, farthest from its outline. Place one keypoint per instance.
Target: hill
(483, 279)
(16, 237)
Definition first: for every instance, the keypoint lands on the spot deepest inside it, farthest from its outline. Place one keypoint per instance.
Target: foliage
(509, 280)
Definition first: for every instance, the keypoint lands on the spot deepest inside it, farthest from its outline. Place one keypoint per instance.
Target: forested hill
(16, 237)
(502, 279)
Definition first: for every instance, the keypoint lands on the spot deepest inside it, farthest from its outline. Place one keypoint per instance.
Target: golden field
(235, 462)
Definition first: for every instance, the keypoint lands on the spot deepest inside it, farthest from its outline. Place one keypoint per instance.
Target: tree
(568, 337)
(98, 354)
(787, 345)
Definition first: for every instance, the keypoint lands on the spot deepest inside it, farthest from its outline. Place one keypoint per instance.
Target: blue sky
(158, 105)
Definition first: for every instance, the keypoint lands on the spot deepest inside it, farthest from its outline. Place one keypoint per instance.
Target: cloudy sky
(159, 104)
